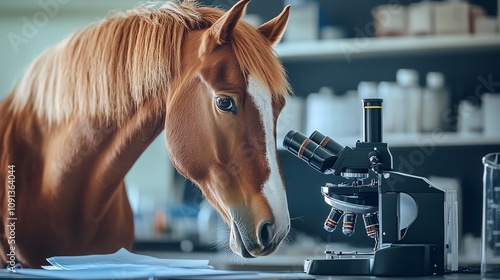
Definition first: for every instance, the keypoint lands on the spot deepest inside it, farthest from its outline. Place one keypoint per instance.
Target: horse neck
(79, 161)
(106, 152)
(118, 147)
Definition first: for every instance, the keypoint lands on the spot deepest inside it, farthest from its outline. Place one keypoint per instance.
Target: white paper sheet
(121, 258)
(126, 265)
(140, 271)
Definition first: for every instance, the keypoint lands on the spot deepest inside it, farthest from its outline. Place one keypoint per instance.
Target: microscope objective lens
(349, 223)
(333, 219)
(371, 224)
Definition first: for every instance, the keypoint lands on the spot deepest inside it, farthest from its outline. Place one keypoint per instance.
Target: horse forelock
(252, 52)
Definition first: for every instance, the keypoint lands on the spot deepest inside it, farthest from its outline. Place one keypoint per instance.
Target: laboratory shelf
(440, 139)
(428, 139)
(370, 47)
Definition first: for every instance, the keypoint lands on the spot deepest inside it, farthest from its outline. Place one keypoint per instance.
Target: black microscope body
(403, 213)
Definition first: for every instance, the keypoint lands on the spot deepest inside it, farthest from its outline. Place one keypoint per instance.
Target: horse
(87, 108)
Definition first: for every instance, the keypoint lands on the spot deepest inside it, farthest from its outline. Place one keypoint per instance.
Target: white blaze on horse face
(273, 188)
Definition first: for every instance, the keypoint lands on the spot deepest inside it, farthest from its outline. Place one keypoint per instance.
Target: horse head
(221, 126)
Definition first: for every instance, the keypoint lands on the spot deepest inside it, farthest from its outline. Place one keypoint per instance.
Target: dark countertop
(458, 276)
(288, 263)
(288, 275)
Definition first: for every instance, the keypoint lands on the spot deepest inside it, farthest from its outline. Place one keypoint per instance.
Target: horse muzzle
(261, 241)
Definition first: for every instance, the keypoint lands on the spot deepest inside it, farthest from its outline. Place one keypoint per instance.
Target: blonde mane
(110, 68)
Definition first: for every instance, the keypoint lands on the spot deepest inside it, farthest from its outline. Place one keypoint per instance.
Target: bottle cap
(367, 89)
(407, 77)
(326, 91)
(386, 88)
(435, 80)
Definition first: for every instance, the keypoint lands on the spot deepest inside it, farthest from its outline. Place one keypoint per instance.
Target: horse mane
(108, 69)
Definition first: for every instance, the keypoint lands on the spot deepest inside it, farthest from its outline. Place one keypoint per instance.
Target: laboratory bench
(284, 264)
(290, 264)
(457, 276)
(298, 275)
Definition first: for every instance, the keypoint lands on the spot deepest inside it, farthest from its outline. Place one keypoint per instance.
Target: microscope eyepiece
(306, 149)
(326, 142)
(372, 120)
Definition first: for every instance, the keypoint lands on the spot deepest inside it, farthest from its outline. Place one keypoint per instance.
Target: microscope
(403, 213)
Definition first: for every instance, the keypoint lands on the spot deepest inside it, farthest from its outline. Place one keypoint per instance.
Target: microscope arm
(364, 157)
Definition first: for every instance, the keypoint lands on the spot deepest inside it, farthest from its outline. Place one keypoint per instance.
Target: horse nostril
(266, 234)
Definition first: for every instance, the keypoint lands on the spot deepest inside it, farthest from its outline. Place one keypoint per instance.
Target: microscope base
(357, 266)
(396, 260)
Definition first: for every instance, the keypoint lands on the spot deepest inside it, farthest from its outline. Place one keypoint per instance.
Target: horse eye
(225, 103)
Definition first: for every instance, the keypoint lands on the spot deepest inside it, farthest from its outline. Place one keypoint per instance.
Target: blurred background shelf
(370, 47)
(440, 139)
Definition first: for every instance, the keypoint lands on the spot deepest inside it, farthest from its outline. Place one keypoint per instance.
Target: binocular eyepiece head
(318, 150)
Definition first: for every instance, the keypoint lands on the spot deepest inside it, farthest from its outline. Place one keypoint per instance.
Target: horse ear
(221, 30)
(273, 30)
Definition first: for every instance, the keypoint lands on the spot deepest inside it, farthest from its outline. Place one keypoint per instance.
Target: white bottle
(393, 106)
(367, 90)
(435, 100)
(291, 117)
(407, 80)
(470, 118)
(319, 109)
(390, 20)
(452, 17)
(420, 18)
(353, 123)
(491, 114)
(326, 112)
(303, 23)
